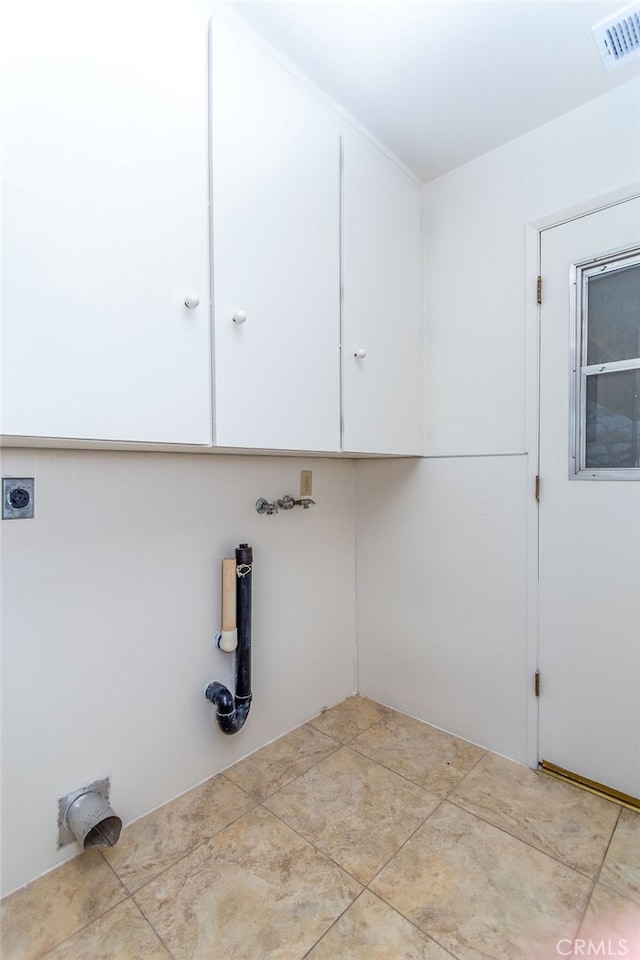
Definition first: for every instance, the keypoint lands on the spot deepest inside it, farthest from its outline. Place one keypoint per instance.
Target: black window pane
(613, 419)
(613, 323)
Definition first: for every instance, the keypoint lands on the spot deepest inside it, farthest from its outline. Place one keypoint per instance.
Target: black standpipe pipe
(232, 711)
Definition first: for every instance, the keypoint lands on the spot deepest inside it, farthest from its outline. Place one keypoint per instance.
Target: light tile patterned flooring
(363, 835)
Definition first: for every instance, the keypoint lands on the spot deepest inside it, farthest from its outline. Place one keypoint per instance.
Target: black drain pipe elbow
(232, 711)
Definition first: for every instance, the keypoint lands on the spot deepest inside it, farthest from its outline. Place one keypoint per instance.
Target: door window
(605, 402)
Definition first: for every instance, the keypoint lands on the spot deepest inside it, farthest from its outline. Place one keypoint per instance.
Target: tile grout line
(160, 938)
(527, 843)
(470, 770)
(83, 927)
(604, 856)
(450, 799)
(390, 905)
(401, 847)
(453, 800)
(598, 875)
(347, 745)
(339, 745)
(90, 923)
(315, 847)
(616, 893)
(112, 870)
(332, 925)
(416, 927)
(255, 800)
(375, 723)
(307, 723)
(587, 904)
(582, 873)
(315, 763)
(254, 804)
(365, 885)
(447, 799)
(126, 896)
(157, 933)
(414, 782)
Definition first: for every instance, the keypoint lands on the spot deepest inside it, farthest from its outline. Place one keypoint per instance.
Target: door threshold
(592, 786)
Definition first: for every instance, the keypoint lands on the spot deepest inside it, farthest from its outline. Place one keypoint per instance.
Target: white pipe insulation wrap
(227, 639)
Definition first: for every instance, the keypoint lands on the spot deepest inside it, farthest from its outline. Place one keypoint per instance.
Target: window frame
(580, 272)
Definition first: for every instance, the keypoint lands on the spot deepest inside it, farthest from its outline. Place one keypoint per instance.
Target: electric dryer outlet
(17, 498)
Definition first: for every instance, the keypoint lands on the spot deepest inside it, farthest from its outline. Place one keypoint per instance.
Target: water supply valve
(263, 506)
(287, 502)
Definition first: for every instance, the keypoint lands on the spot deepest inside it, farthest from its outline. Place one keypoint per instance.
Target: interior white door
(589, 523)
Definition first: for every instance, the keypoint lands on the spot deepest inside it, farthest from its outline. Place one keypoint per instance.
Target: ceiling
(440, 83)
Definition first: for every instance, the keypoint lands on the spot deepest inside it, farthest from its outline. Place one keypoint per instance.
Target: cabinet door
(105, 224)
(382, 306)
(276, 253)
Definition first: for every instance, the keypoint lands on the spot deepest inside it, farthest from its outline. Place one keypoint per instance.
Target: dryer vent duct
(618, 37)
(85, 816)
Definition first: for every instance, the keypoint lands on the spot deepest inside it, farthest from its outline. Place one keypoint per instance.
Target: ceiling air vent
(618, 37)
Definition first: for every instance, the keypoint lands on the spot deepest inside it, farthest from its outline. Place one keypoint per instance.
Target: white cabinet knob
(360, 354)
(191, 301)
(239, 316)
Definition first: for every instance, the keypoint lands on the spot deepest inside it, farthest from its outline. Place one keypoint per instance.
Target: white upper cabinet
(177, 239)
(105, 224)
(382, 304)
(275, 153)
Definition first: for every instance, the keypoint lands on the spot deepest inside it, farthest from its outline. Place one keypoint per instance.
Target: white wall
(476, 219)
(111, 600)
(442, 593)
(444, 545)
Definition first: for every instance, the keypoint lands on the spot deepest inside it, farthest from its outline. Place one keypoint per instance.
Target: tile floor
(363, 835)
